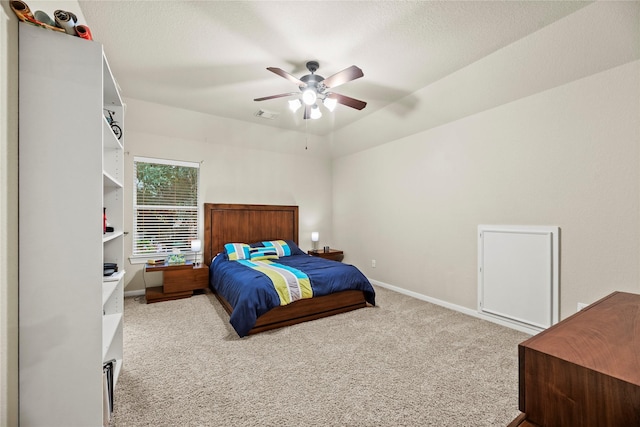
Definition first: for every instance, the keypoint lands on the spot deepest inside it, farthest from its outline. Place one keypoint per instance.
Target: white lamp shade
(315, 236)
(294, 104)
(315, 112)
(330, 103)
(196, 245)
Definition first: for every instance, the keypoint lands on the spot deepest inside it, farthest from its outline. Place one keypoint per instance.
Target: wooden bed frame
(227, 223)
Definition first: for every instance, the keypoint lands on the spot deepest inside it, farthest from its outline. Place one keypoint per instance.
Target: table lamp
(196, 245)
(315, 236)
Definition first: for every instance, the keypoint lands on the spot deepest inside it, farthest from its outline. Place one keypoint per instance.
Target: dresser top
(603, 337)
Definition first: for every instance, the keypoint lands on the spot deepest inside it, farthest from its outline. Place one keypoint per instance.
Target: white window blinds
(165, 206)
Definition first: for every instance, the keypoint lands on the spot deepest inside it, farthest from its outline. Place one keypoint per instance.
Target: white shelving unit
(71, 167)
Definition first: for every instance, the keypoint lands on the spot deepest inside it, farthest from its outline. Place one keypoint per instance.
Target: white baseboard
(137, 293)
(459, 308)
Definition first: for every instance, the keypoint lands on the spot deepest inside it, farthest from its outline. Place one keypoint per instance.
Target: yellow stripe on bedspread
(290, 283)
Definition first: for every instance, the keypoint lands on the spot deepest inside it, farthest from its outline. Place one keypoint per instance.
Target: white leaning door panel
(518, 274)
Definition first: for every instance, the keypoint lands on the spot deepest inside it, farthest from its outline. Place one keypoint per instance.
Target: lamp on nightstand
(315, 236)
(196, 245)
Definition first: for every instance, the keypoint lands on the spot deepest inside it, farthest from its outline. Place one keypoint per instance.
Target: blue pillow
(236, 251)
(261, 254)
(295, 250)
(280, 246)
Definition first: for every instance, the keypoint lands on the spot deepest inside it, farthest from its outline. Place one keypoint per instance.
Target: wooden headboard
(231, 223)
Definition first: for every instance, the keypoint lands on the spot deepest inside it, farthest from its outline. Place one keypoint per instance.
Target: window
(165, 206)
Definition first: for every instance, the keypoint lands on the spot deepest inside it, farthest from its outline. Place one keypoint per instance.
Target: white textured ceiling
(211, 56)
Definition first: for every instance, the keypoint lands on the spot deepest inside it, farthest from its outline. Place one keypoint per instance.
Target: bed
(242, 223)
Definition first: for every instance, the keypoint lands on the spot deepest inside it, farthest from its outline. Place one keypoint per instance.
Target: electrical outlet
(581, 305)
(373, 263)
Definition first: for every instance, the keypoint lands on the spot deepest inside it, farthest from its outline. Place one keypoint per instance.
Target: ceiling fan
(314, 87)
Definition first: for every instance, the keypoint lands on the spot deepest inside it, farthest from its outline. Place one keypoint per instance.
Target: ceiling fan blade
(280, 95)
(287, 76)
(349, 102)
(307, 111)
(343, 76)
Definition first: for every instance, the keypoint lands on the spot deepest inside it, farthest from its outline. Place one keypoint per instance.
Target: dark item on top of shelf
(66, 20)
(84, 32)
(22, 11)
(113, 123)
(110, 268)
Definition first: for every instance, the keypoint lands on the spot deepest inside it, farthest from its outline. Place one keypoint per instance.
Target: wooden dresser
(585, 370)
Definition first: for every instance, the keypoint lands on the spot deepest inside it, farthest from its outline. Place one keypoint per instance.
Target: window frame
(136, 258)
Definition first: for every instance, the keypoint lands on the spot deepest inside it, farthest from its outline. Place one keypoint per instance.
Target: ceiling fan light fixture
(315, 112)
(294, 105)
(313, 87)
(330, 103)
(309, 96)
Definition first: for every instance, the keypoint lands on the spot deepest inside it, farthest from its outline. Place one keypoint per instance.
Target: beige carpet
(403, 363)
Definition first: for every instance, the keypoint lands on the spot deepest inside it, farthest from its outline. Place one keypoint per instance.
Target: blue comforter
(251, 293)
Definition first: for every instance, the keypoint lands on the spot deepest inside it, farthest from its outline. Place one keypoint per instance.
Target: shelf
(109, 138)
(109, 181)
(115, 277)
(110, 325)
(52, 66)
(112, 235)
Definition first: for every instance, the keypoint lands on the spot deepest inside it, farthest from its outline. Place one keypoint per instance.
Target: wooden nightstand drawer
(186, 279)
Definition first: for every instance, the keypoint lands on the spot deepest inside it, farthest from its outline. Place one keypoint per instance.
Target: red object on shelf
(104, 220)
(83, 32)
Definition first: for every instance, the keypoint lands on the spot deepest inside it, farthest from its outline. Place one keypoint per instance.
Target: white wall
(241, 163)
(567, 156)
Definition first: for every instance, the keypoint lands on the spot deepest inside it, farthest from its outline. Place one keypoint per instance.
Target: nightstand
(332, 254)
(178, 281)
